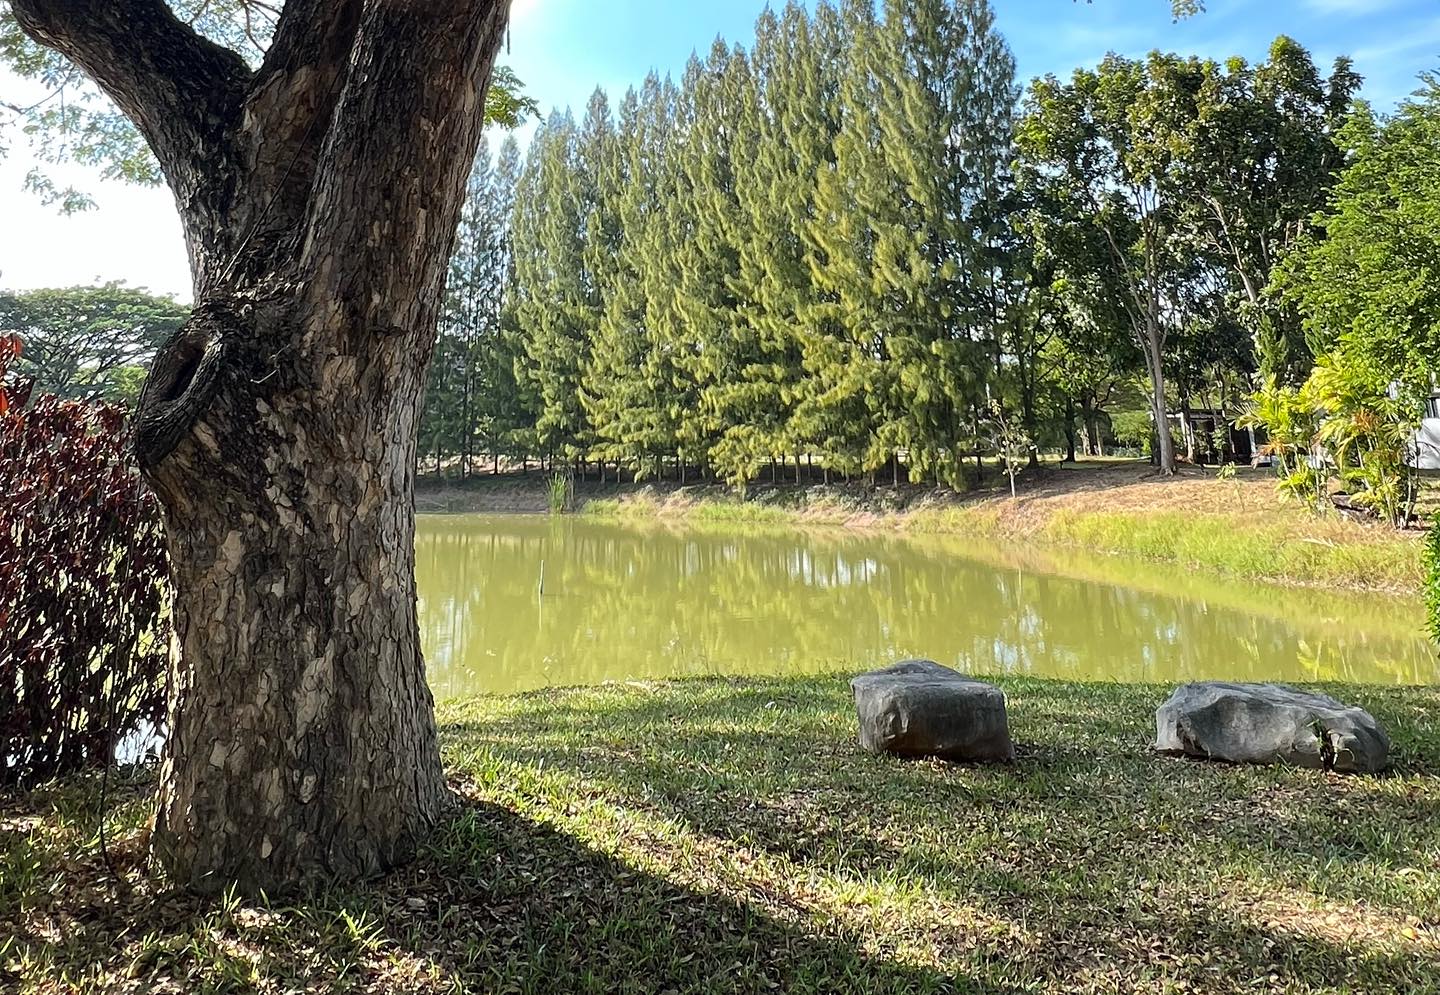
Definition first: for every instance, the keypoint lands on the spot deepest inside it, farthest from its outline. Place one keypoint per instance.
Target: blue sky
(564, 48)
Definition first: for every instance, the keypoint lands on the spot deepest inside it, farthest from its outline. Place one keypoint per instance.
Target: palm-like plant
(1291, 421)
(1371, 432)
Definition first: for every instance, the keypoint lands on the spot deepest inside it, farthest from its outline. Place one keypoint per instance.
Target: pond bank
(1239, 526)
(728, 835)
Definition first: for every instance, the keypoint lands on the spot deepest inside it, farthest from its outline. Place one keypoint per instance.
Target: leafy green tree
(1291, 420)
(1101, 149)
(1258, 154)
(1363, 283)
(1363, 289)
(1009, 440)
(1093, 354)
(88, 342)
(1369, 433)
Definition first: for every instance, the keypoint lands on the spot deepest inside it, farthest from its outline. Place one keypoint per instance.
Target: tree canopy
(73, 120)
(88, 342)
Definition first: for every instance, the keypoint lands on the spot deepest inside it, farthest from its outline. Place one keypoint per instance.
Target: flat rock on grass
(917, 708)
(1270, 724)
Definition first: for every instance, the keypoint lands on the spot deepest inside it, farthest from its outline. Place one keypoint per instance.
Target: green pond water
(639, 602)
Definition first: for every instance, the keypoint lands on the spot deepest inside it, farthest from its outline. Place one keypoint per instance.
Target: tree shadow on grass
(496, 903)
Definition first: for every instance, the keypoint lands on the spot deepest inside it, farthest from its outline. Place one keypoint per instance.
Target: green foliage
(88, 342)
(1097, 157)
(633, 395)
(1363, 286)
(73, 121)
(1432, 579)
(1257, 156)
(1366, 287)
(1172, 186)
(1291, 420)
(506, 105)
(1010, 442)
(1369, 433)
(1133, 429)
(1346, 417)
(560, 492)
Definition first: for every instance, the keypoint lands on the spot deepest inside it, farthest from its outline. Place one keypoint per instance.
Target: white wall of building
(1427, 439)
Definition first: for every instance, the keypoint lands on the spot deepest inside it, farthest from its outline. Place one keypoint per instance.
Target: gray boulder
(1269, 724)
(918, 708)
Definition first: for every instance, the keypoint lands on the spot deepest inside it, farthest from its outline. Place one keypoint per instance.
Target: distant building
(1426, 455)
(1203, 429)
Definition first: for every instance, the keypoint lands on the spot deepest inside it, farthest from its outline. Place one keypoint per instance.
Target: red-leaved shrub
(84, 586)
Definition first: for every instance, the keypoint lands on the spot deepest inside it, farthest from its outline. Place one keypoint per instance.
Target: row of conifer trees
(794, 249)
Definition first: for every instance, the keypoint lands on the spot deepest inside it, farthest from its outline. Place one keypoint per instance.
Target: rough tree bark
(320, 196)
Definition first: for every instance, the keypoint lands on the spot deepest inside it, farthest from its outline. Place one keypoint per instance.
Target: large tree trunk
(319, 197)
(301, 736)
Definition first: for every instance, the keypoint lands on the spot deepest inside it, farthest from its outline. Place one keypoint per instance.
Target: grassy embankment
(1239, 527)
(728, 836)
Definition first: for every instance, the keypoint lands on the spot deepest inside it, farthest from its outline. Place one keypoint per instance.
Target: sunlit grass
(1295, 549)
(728, 836)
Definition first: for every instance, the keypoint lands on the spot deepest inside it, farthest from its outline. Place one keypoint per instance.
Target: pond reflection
(623, 602)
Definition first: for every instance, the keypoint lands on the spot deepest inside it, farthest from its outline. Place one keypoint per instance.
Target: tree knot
(183, 380)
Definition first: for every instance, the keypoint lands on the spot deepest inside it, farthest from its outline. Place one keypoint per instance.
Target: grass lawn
(728, 836)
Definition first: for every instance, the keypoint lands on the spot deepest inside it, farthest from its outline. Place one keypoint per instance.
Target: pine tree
(554, 310)
(447, 417)
(630, 383)
(787, 123)
(496, 414)
(714, 350)
(944, 83)
(841, 327)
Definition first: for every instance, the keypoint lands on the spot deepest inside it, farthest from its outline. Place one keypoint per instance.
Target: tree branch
(182, 91)
(291, 100)
(393, 168)
(170, 81)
